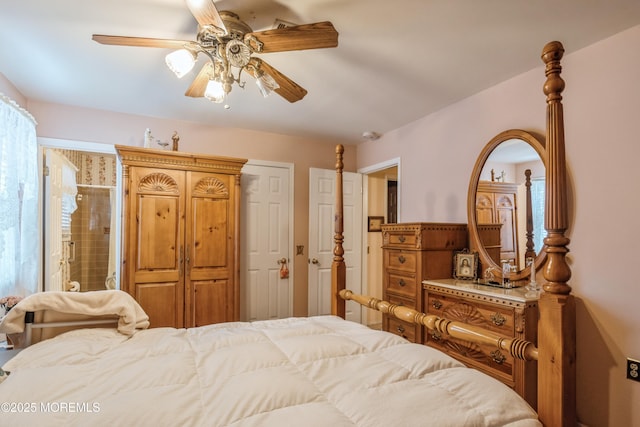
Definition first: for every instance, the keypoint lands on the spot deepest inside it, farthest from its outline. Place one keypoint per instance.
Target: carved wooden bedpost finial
(338, 267)
(556, 339)
(556, 272)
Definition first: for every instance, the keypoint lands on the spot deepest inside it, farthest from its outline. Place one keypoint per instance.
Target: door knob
(315, 261)
(282, 261)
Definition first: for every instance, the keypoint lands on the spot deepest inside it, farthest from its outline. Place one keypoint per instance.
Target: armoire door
(209, 248)
(156, 227)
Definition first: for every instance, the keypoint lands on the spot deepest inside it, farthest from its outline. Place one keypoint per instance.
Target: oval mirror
(506, 203)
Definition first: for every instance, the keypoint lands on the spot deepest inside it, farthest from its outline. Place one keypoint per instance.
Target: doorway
(382, 193)
(80, 239)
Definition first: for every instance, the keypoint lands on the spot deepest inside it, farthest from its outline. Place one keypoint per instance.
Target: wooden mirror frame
(474, 238)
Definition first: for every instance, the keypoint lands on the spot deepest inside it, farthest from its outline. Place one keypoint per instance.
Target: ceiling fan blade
(140, 41)
(300, 37)
(288, 89)
(206, 13)
(199, 84)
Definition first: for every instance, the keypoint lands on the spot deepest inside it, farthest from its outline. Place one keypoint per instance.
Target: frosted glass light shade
(180, 62)
(214, 91)
(266, 84)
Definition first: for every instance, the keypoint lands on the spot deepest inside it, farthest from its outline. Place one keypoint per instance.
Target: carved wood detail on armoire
(180, 252)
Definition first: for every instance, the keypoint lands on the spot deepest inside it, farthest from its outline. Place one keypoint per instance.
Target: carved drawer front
(494, 317)
(401, 260)
(402, 284)
(495, 362)
(499, 319)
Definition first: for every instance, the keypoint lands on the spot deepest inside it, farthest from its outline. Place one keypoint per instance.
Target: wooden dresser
(411, 253)
(180, 235)
(512, 313)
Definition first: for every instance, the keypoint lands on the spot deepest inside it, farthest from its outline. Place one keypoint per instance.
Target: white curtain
(19, 263)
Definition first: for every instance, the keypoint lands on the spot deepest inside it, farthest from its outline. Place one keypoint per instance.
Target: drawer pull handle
(498, 319)
(436, 304)
(401, 259)
(401, 238)
(401, 282)
(435, 336)
(400, 329)
(498, 357)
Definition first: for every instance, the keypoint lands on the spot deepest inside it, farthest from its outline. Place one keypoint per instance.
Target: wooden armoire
(496, 204)
(180, 236)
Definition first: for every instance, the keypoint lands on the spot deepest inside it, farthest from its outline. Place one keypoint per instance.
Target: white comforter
(318, 371)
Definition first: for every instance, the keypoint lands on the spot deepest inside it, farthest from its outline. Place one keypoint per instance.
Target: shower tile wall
(90, 231)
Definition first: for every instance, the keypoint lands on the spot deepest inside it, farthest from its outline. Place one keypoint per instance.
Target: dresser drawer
(495, 318)
(401, 260)
(408, 239)
(425, 236)
(403, 329)
(402, 285)
(396, 326)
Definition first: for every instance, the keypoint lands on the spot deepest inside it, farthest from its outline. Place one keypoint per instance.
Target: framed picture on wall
(375, 223)
(465, 265)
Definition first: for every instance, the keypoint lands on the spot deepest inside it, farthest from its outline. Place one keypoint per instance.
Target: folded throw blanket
(77, 306)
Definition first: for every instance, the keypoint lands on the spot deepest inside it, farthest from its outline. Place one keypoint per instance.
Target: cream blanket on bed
(65, 306)
(309, 372)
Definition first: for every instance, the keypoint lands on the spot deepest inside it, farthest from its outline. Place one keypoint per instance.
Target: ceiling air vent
(280, 24)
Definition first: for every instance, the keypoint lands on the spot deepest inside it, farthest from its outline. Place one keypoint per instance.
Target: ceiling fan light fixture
(181, 61)
(266, 84)
(214, 91)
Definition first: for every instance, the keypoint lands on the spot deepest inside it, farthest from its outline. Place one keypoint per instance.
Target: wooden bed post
(530, 252)
(556, 327)
(338, 267)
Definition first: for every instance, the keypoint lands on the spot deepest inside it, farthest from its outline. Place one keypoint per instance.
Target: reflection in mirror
(506, 203)
(503, 192)
(80, 241)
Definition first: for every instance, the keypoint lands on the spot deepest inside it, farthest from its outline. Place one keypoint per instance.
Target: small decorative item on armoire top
(175, 138)
(148, 139)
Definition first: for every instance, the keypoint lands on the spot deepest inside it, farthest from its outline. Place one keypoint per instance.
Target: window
(19, 239)
(537, 210)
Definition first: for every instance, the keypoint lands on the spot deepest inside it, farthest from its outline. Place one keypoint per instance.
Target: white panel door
(265, 243)
(53, 259)
(322, 187)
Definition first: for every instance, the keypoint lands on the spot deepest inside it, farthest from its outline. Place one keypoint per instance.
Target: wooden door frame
(365, 171)
(88, 146)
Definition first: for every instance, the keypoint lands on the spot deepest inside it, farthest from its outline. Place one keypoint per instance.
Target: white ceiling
(397, 60)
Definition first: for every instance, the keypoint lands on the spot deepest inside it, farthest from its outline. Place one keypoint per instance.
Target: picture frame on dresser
(465, 265)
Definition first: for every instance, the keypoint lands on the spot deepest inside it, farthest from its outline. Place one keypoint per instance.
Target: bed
(313, 371)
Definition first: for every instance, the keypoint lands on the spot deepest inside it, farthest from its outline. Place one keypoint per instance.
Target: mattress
(316, 371)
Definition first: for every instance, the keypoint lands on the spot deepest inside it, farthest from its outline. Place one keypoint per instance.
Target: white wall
(602, 109)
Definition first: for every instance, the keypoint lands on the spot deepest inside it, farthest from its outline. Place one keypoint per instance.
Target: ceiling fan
(229, 44)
